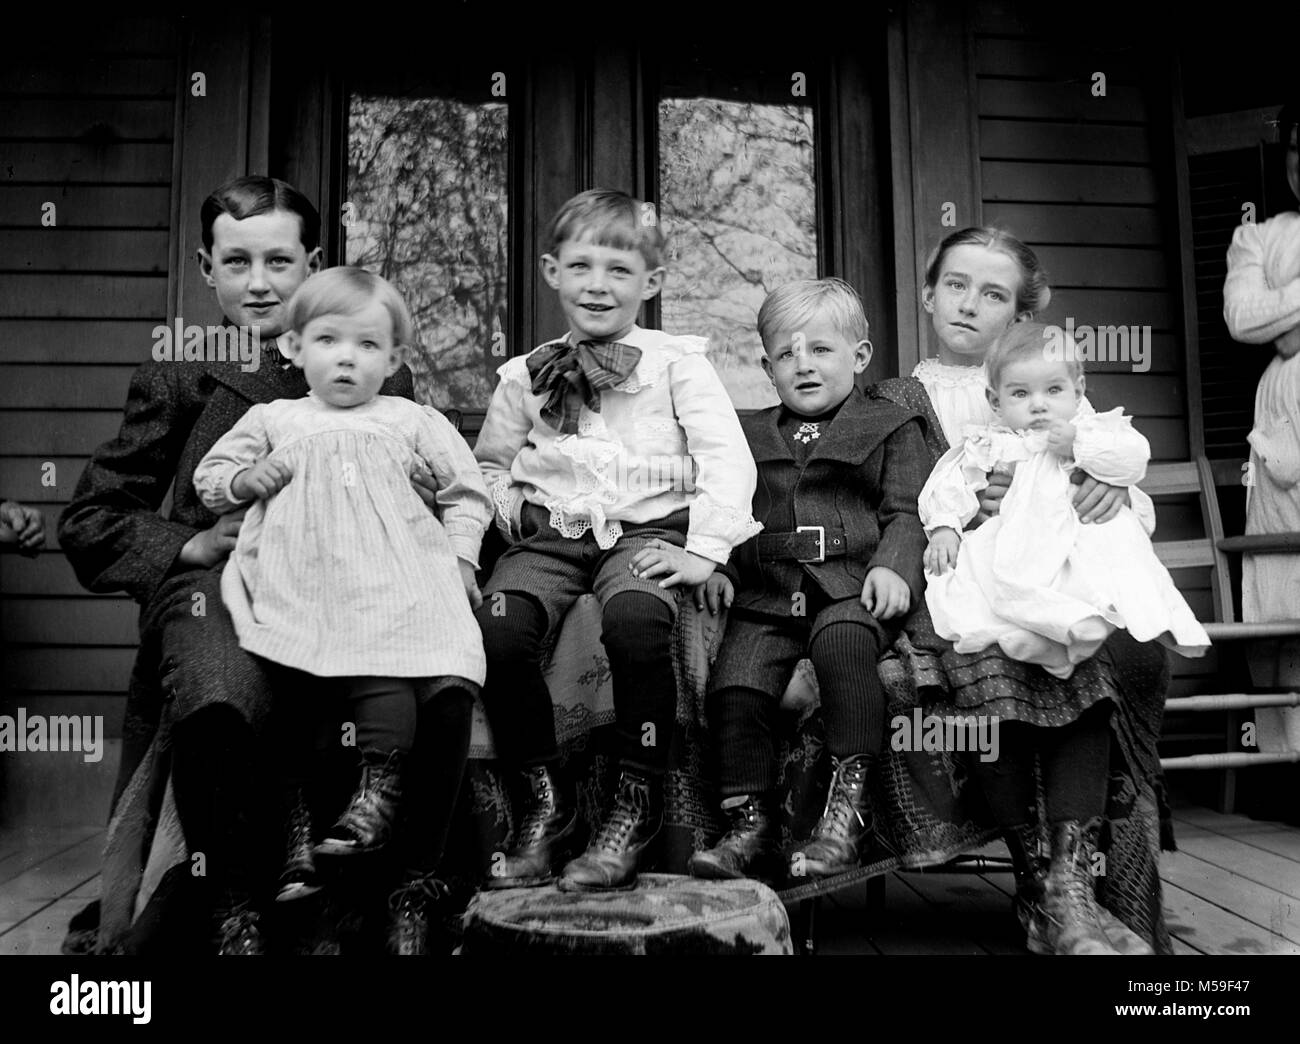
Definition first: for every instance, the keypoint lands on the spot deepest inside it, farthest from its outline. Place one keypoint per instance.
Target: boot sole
(295, 892)
(326, 851)
(566, 885)
(494, 884)
(713, 872)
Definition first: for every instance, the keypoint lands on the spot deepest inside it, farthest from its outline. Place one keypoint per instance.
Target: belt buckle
(821, 542)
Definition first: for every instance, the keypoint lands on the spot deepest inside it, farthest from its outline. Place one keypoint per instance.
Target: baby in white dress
(341, 571)
(1034, 580)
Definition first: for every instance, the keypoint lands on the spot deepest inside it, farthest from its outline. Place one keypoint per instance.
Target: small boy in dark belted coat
(835, 570)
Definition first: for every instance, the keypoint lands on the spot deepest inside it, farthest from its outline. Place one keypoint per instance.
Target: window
(739, 205)
(427, 184)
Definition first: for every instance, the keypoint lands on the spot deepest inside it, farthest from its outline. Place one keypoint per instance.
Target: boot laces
(542, 807)
(366, 813)
(839, 807)
(240, 928)
(622, 819)
(413, 899)
(742, 820)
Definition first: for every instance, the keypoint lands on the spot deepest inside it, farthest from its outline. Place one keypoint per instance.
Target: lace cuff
(508, 499)
(717, 528)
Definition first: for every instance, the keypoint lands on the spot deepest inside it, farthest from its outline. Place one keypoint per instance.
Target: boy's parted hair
(1032, 341)
(248, 196)
(346, 291)
(612, 219)
(1033, 294)
(795, 304)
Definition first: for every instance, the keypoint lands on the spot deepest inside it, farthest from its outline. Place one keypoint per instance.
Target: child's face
(347, 358)
(255, 267)
(973, 302)
(1034, 392)
(601, 287)
(813, 367)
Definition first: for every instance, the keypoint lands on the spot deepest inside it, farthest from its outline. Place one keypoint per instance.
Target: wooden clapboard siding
(1084, 180)
(88, 126)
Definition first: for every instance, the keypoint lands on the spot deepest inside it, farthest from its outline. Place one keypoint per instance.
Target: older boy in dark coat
(840, 556)
(198, 705)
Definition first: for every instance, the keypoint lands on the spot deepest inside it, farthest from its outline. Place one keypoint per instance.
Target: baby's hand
(1060, 438)
(472, 592)
(262, 481)
(683, 567)
(425, 485)
(941, 555)
(22, 525)
(885, 593)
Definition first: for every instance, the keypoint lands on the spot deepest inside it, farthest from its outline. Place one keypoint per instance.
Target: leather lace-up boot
(612, 858)
(1071, 917)
(1029, 869)
(366, 825)
(544, 836)
(410, 909)
(836, 843)
(239, 931)
(298, 878)
(749, 848)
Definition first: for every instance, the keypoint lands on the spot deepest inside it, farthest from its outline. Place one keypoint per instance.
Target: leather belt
(805, 544)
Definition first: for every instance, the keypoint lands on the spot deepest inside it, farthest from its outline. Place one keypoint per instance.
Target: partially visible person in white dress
(341, 571)
(1261, 305)
(1033, 580)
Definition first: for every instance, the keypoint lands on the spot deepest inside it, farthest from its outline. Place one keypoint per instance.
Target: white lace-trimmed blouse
(666, 438)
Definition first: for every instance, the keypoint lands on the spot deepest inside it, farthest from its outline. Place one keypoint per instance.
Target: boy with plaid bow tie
(612, 444)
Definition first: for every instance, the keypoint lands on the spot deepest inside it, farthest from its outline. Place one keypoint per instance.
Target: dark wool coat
(863, 476)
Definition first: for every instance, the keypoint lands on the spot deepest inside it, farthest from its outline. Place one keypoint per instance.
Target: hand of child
(716, 592)
(941, 555)
(683, 567)
(885, 593)
(467, 578)
(1097, 501)
(425, 485)
(262, 481)
(991, 497)
(1060, 438)
(209, 546)
(22, 525)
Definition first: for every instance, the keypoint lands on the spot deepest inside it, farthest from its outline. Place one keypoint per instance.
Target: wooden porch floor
(1234, 888)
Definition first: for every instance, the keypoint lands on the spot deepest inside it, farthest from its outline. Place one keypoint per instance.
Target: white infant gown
(1034, 580)
(345, 571)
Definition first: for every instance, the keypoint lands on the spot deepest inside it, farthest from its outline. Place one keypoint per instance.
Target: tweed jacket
(112, 532)
(863, 477)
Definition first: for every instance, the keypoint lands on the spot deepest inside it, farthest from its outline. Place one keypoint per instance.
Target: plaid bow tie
(572, 375)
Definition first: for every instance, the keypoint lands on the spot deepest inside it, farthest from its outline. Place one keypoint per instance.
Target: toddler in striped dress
(341, 571)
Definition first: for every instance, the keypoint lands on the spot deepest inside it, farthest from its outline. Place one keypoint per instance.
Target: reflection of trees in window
(738, 203)
(427, 180)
